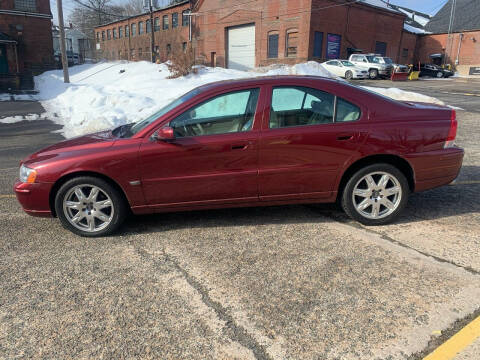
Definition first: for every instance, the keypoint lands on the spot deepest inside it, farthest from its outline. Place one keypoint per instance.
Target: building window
(317, 44)
(139, 53)
(26, 5)
(272, 45)
(103, 35)
(165, 22)
(157, 49)
(185, 17)
(174, 20)
(381, 48)
(169, 49)
(98, 37)
(334, 45)
(114, 33)
(148, 26)
(140, 27)
(156, 24)
(405, 53)
(120, 32)
(292, 43)
(184, 47)
(127, 31)
(134, 29)
(109, 34)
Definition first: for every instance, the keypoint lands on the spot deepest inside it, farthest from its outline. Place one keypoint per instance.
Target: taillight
(452, 133)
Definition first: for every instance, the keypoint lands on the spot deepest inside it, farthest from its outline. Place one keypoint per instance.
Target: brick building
(243, 34)
(25, 40)
(462, 46)
(130, 38)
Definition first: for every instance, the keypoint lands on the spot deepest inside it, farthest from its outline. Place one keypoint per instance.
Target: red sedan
(254, 142)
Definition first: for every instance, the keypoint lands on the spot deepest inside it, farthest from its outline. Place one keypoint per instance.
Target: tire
(373, 74)
(375, 196)
(439, 75)
(107, 209)
(349, 75)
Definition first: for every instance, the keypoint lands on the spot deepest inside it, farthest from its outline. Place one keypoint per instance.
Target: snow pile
(106, 95)
(402, 95)
(18, 118)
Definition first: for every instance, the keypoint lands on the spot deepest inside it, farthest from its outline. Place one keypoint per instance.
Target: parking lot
(291, 282)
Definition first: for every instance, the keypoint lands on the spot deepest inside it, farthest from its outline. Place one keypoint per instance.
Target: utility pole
(66, 78)
(152, 32)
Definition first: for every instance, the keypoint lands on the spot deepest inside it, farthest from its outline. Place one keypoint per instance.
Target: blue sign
(333, 46)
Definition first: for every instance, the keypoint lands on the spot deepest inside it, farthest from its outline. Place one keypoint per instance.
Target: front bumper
(34, 198)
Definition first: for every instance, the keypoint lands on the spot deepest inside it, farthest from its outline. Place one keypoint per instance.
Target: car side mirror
(164, 134)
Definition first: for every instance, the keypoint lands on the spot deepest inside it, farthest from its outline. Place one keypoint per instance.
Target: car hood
(87, 142)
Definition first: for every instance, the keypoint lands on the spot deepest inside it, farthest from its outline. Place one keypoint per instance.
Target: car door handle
(344, 137)
(240, 146)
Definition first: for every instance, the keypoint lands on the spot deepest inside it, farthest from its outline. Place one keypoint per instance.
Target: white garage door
(241, 47)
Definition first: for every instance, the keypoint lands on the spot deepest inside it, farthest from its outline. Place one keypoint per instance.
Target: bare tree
(134, 7)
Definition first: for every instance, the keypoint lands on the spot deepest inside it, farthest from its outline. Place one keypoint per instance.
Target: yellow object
(414, 75)
(457, 343)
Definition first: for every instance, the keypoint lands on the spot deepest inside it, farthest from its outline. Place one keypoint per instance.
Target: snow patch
(18, 118)
(402, 95)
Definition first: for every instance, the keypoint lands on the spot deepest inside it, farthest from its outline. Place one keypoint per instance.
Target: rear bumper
(436, 168)
(34, 198)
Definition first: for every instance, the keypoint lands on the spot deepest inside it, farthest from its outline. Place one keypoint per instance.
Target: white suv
(374, 64)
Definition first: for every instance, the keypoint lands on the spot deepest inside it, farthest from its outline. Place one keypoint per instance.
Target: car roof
(271, 79)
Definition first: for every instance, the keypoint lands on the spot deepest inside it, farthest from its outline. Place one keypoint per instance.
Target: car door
(214, 156)
(308, 138)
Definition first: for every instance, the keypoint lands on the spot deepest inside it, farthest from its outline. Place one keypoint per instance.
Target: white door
(241, 47)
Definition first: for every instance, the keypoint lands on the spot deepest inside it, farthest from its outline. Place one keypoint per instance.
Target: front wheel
(439, 75)
(349, 75)
(373, 74)
(376, 194)
(89, 206)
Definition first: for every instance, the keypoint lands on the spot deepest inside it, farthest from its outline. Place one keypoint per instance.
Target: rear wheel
(349, 75)
(373, 74)
(376, 194)
(89, 206)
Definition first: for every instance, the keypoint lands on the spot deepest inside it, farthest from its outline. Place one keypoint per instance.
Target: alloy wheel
(377, 195)
(88, 208)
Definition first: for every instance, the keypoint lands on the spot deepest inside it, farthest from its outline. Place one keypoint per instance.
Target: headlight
(27, 175)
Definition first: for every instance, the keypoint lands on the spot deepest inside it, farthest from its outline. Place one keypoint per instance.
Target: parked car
(251, 142)
(345, 69)
(374, 64)
(433, 71)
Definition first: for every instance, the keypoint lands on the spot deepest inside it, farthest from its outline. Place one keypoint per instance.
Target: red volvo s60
(252, 142)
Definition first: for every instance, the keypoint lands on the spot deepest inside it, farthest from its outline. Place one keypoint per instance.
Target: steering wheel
(199, 129)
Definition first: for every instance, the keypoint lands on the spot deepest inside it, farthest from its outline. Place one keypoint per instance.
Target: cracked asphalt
(291, 282)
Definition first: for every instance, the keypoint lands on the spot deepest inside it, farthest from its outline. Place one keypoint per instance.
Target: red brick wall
(360, 27)
(34, 37)
(109, 49)
(409, 43)
(469, 47)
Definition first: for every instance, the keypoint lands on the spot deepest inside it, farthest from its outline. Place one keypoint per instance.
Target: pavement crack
(237, 333)
(398, 243)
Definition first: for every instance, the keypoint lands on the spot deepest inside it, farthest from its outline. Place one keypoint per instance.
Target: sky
(425, 6)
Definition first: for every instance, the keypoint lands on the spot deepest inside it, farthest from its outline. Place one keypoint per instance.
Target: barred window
(174, 20)
(109, 34)
(185, 17)
(140, 27)
(120, 32)
(134, 29)
(156, 24)
(165, 22)
(127, 31)
(114, 33)
(26, 5)
(147, 26)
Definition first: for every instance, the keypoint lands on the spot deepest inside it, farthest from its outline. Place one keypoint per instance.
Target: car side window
(300, 106)
(226, 113)
(346, 111)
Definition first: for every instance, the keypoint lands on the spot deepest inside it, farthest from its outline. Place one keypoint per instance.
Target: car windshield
(373, 59)
(387, 60)
(347, 63)
(144, 123)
